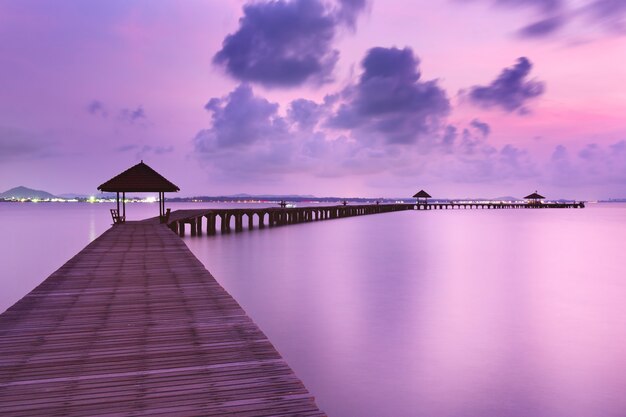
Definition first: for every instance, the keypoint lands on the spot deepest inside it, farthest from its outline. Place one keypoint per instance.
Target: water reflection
(507, 313)
(445, 313)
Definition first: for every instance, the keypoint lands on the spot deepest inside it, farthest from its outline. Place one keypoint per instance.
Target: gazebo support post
(139, 178)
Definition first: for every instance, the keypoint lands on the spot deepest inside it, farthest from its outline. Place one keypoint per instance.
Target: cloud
(248, 137)
(593, 164)
(389, 102)
(610, 13)
(349, 10)
(240, 119)
(543, 27)
(132, 116)
(388, 122)
(544, 5)
(142, 151)
(482, 127)
(305, 113)
(286, 43)
(96, 108)
(510, 91)
(552, 16)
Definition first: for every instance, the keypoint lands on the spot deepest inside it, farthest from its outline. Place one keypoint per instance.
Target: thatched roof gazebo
(140, 179)
(422, 197)
(534, 198)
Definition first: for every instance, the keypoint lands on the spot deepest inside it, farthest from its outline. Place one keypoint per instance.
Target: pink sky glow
(371, 98)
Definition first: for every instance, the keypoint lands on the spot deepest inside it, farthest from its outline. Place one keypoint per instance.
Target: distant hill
(24, 192)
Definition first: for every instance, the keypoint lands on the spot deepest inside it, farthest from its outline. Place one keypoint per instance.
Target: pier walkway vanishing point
(274, 216)
(134, 325)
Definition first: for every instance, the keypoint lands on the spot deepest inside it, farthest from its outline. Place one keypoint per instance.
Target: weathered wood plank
(135, 325)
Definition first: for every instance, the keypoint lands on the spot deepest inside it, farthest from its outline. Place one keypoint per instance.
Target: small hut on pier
(138, 179)
(422, 197)
(534, 199)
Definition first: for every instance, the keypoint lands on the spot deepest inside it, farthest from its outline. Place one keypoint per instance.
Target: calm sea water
(443, 313)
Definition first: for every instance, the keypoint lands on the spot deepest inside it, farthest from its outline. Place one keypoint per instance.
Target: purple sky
(339, 97)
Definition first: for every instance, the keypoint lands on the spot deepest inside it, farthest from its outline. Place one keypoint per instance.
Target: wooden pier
(229, 219)
(134, 325)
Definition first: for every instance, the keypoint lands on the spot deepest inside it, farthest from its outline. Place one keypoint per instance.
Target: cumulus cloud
(388, 122)
(390, 102)
(246, 136)
(284, 43)
(510, 91)
(239, 119)
(592, 164)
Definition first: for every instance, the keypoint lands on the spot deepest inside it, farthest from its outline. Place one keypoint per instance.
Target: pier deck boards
(135, 325)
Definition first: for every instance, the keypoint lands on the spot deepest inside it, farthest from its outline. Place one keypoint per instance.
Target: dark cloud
(390, 101)
(96, 108)
(240, 119)
(510, 91)
(286, 43)
(305, 113)
(248, 136)
(132, 116)
(388, 122)
(349, 10)
(482, 127)
(543, 27)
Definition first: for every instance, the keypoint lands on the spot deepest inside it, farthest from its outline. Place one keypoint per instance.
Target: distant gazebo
(534, 198)
(422, 197)
(138, 179)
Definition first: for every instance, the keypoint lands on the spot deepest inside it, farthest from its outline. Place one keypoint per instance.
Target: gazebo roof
(534, 196)
(422, 194)
(139, 178)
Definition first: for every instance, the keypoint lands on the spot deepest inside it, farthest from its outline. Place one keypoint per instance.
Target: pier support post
(210, 224)
(199, 226)
(238, 222)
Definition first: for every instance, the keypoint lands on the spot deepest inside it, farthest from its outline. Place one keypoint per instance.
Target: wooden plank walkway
(134, 325)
